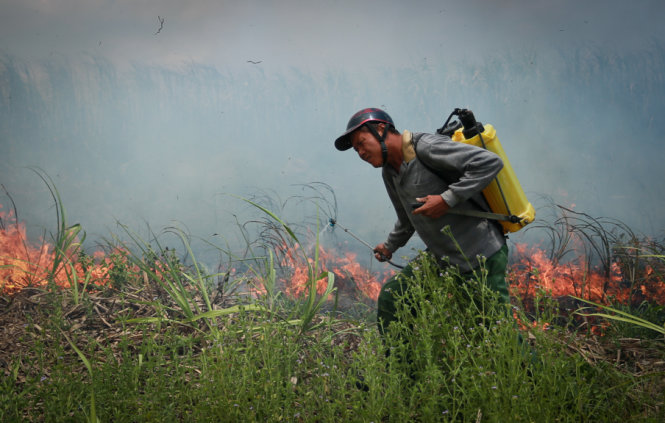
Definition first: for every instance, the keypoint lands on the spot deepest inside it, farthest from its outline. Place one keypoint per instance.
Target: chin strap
(382, 141)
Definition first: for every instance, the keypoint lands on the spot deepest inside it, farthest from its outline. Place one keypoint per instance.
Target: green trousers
(398, 284)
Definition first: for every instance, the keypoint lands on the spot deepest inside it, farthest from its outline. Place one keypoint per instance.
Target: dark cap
(343, 142)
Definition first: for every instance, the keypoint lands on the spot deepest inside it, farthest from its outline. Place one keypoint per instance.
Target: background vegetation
(156, 337)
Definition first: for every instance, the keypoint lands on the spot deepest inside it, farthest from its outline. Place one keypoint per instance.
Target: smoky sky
(142, 120)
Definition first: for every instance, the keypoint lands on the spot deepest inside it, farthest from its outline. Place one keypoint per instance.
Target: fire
(652, 286)
(536, 272)
(350, 275)
(23, 264)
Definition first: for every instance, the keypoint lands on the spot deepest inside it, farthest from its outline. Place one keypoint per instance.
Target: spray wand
(333, 222)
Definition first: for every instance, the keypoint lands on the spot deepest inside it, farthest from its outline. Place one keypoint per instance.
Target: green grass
(465, 362)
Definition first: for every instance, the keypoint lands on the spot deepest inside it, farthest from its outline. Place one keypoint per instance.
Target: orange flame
(24, 265)
(537, 272)
(346, 268)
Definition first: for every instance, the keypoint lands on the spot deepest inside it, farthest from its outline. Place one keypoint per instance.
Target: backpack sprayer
(504, 195)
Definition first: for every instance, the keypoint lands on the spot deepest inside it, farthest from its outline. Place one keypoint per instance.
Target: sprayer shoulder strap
(477, 199)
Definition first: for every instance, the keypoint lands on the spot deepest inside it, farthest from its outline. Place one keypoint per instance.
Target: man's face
(367, 147)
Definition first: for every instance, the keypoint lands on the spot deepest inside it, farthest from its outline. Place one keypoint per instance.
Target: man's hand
(382, 253)
(433, 206)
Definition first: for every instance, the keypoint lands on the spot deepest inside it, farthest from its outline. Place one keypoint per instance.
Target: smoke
(169, 136)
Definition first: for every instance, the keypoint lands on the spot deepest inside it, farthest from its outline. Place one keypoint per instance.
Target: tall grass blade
(620, 316)
(93, 411)
(310, 307)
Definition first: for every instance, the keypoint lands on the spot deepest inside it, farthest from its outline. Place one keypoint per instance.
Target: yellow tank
(515, 203)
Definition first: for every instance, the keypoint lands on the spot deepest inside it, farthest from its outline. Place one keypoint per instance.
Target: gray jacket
(467, 170)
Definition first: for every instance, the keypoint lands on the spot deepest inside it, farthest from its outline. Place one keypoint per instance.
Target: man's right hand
(382, 253)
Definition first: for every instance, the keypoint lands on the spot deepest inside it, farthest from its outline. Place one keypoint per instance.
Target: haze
(142, 120)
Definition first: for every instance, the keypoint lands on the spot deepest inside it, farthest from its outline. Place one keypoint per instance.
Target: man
(426, 175)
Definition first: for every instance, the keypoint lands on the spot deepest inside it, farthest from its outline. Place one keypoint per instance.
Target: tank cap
(471, 127)
(473, 131)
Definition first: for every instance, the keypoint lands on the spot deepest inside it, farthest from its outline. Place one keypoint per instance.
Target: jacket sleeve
(470, 168)
(403, 230)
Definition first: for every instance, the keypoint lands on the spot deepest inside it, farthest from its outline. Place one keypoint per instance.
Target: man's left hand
(433, 206)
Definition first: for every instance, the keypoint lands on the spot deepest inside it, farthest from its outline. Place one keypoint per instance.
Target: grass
(157, 344)
(467, 361)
